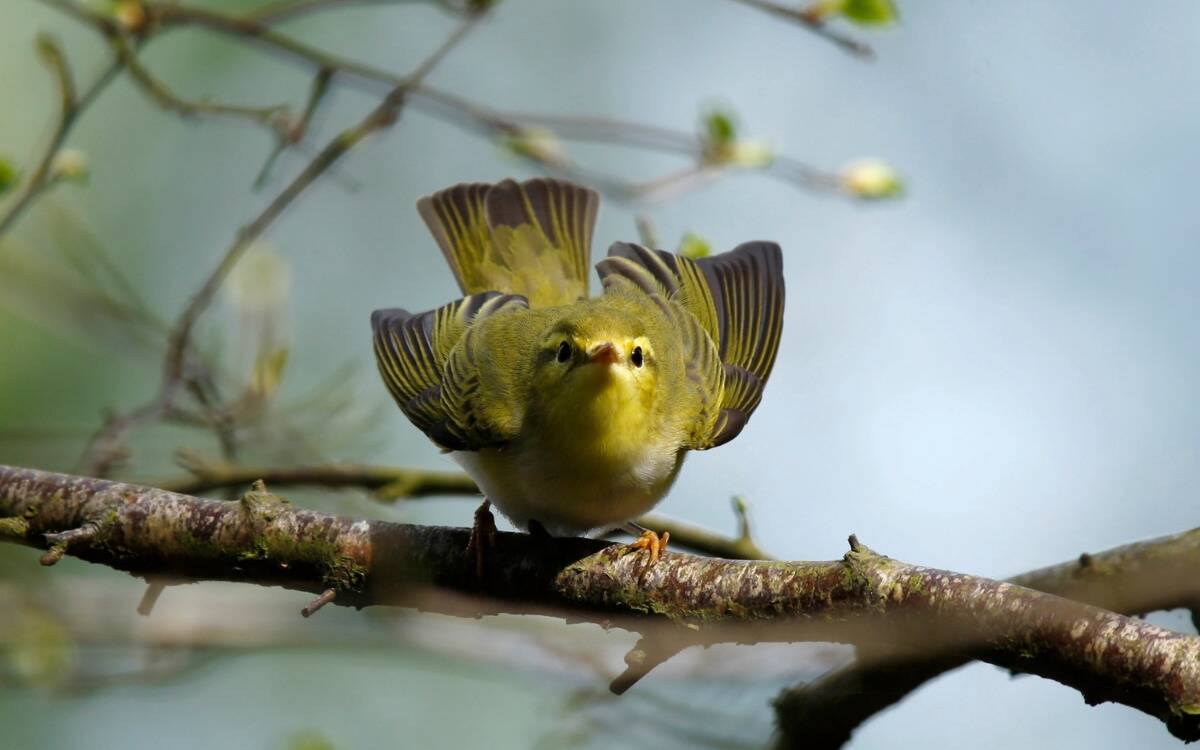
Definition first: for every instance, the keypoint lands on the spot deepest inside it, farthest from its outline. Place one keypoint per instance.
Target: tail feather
(531, 238)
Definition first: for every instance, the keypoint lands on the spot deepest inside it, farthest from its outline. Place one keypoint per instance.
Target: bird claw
(650, 541)
(483, 537)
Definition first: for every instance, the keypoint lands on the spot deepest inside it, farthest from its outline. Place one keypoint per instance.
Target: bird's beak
(603, 354)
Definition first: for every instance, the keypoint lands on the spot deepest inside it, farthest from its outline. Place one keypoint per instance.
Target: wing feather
(736, 300)
(429, 367)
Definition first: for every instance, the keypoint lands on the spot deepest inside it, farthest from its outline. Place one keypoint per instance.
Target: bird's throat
(601, 411)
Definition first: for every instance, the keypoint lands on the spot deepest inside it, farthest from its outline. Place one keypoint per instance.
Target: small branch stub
(315, 605)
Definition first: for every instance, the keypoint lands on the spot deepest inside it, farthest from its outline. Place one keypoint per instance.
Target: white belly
(567, 492)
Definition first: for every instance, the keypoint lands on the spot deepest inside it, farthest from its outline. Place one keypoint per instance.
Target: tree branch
(70, 105)
(814, 23)
(105, 447)
(1133, 579)
(864, 597)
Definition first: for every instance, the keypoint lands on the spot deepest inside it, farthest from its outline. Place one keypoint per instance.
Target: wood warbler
(574, 413)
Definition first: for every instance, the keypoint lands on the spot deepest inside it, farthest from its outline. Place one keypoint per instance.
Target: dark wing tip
(770, 253)
(388, 316)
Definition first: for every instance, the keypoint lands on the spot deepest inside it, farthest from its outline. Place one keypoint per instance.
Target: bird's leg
(647, 540)
(483, 536)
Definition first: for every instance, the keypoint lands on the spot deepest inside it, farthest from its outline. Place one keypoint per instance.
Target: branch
(1134, 579)
(387, 483)
(274, 117)
(69, 107)
(474, 116)
(865, 597)
(106, 447)
(814, 23)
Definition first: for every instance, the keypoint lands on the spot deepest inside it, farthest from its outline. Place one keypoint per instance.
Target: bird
(574, 413)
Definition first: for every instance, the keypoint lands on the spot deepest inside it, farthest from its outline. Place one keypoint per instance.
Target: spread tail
(531, 238)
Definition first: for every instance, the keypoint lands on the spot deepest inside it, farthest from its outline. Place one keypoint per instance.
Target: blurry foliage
(861, 12)
(872, 179)
(37, 649)
(694, 246)
(66, 281)
(308, 740)
(720, 144)
(9, 175)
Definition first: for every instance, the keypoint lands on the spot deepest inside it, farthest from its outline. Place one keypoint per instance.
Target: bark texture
(863, 598)
(1133, 579)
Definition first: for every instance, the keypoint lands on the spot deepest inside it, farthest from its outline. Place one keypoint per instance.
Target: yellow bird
(574, 413)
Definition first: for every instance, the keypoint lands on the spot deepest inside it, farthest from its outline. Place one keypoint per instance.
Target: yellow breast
(593, 456)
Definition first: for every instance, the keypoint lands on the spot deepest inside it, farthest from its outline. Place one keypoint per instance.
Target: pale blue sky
(995, 373)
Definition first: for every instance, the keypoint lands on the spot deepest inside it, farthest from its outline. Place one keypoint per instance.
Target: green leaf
(9, 175)
(37, 648)
(870, 12)
(539, 144)
(720, 127)
(871, 179)
(309, 740)
(71, 165)
(694, 246)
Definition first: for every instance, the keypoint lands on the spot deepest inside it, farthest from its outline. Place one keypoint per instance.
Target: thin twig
(177, 360)
(69, 107)
(815, 24)
(167, 15)
(273, 116)
(291, 9)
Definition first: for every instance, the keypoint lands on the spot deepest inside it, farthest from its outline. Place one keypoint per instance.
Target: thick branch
(1133, 579)
(864, 597)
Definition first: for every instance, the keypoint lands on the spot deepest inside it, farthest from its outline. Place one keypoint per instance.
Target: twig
(150, 597)
(291, 9)
(325, 597)
(464, 112)
(99, 457)
(863, 598)
(388, 483)
(646, 231)
(166, 16)
(295, 131)
(815, 24)
(273, 117)
(69, 107)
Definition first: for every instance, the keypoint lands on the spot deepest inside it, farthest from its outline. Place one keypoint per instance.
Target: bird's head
(596, 361)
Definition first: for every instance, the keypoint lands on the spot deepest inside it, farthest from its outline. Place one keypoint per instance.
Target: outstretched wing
(429, 366)
(736, 302)
(531, 238)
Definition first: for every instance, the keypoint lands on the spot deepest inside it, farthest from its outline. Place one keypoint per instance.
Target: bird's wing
(429, 367)
(531, 238)
(736, 302)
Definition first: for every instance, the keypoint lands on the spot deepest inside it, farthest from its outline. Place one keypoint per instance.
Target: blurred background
(992, 372)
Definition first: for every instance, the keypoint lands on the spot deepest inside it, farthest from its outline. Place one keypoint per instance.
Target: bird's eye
(636, 357)
(564, 352)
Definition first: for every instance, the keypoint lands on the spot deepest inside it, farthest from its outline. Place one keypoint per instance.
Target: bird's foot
(538, 531)
(655, 543)
(483, 537)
